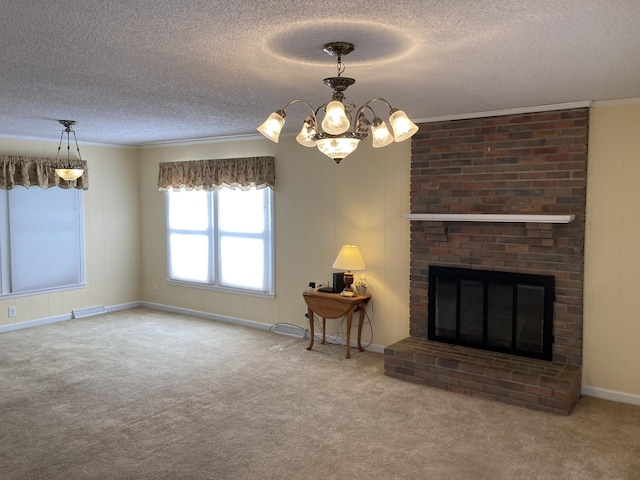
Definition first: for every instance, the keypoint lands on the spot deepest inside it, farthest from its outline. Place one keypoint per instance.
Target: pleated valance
(38, 172)
(242, 173)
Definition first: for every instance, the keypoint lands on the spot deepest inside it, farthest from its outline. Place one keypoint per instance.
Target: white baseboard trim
(61, 318)
(241, 321)
(35, 323)
(124, 306)
(208, 316)
(612, 395)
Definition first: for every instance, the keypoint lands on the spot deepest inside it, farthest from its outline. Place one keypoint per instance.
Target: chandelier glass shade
(341, 129)
(68, 171)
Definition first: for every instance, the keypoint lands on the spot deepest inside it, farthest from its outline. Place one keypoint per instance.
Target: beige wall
(112, 234)
(612, 260)
(319, 206)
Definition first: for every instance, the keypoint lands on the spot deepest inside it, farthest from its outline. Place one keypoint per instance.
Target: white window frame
(7, 261)
(215, 235)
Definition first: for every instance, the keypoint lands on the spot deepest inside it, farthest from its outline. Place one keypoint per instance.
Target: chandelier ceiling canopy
(341, 129)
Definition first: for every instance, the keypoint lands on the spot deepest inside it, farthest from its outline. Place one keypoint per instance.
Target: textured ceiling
(144, 71)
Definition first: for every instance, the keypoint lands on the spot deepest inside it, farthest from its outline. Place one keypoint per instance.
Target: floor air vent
(291, 330)
(87, 312)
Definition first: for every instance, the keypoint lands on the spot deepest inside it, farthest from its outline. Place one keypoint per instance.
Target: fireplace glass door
(499, 311)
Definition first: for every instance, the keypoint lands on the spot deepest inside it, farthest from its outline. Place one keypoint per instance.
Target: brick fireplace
(527, 165)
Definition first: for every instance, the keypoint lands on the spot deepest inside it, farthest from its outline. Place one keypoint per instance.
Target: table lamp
(349, 258)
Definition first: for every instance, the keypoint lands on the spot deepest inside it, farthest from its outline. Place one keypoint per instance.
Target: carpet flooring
(146, 394)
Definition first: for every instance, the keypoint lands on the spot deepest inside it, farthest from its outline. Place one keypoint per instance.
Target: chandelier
(68, 171)
(341, 130)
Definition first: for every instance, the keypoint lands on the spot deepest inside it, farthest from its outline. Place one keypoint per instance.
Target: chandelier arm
(59, 145)
(300, 100)
(360, 116)
(361, 110)
(77, 147)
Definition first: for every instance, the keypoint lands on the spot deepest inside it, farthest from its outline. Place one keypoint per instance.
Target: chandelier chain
(340, 65)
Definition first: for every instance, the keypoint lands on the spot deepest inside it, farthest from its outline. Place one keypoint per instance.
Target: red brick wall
(533, 163)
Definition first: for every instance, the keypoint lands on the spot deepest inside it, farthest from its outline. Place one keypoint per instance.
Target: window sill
(237, 291)
(44, 291)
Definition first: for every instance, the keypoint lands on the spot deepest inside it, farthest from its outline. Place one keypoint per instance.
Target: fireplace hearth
(497, 311)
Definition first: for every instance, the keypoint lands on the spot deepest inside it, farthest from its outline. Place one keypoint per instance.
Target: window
(41, 240)
(221, 238)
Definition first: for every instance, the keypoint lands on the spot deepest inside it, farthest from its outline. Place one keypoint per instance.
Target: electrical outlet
(155, 291)
(13, 311)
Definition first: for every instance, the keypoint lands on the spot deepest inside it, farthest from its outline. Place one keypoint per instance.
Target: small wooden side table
(334, 305)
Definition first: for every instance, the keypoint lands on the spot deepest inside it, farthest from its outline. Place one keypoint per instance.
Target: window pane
(45, 238)
(188, 210)
(189, 256)
(230, 247)
(242, 210)
(242, 262)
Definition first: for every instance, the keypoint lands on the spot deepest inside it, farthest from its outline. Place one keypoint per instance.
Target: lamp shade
(380, 133)
(349, 258)
(272, 126)
(69, 174)
(337, 147)
(403, 128)
(335, 120)
(305, 137)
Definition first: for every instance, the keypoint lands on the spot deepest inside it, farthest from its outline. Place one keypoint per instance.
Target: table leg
(310, 315)
(324, 329)
(360, 327)
(349, 319)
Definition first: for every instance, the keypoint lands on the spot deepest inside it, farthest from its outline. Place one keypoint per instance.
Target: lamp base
(348, 281)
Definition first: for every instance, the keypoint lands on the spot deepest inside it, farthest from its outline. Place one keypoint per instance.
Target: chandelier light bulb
(69, 174)
(272, 127)
(403, 128)
(337, 148)
(305, 137)
(380, 133)
(335, 120)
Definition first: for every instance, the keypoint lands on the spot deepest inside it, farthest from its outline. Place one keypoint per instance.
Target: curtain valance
(242, 173)
(38, 172)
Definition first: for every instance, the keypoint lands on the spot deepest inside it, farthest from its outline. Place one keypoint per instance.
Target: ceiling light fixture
(68, 171)
(332, 136)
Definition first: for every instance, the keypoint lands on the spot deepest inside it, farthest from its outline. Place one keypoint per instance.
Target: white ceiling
(134, 72)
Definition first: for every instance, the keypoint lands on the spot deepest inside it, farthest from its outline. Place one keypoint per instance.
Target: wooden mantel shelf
(485, 217)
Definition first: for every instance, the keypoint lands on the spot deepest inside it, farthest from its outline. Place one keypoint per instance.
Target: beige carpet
(142, 394)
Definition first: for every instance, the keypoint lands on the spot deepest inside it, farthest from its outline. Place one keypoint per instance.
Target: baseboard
(612, 395)
(124, 306)
(208, 316)
(61, 318)
(35, 323)
(240, 321)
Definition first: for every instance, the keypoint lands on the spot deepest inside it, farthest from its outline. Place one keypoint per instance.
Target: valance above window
(38, 172)
(242, 173)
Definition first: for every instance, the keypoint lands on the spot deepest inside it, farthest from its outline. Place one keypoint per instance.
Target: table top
(336, 296)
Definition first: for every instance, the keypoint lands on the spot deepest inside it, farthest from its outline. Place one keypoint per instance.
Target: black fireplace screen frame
(490, 279)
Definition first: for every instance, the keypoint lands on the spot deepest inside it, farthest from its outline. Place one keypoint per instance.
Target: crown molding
(616, 103)
(508, 111)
